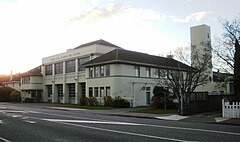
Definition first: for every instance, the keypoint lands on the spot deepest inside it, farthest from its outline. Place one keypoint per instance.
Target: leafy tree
(227, 50)
(183, 82)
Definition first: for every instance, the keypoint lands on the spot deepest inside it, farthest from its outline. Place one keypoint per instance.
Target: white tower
(201, 48)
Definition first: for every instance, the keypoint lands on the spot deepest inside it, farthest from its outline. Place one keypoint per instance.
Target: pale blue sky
(33, 29)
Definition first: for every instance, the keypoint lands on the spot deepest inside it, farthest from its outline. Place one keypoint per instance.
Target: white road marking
(123, 132)
(31, 122)
(194, 129)
(172, 117)
(64, 108)
(93, 122)
(1, 122)
(5, 140)
(220, 119)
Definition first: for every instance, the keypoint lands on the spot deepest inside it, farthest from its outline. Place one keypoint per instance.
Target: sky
(33, 29)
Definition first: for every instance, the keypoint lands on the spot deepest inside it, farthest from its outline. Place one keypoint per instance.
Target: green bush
(118, 102)
(84, 100)
(108, 101)
(15, 96)
(93, 101)
(5, 93)
(28, 100)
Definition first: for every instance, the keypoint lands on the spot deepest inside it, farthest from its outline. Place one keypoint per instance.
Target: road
(31, 122)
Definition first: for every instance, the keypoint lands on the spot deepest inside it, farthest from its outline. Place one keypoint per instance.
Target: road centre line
(147, 125)
(193, 129)
(122, 132)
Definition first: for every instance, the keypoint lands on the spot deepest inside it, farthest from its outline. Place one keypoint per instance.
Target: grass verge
(155, 111)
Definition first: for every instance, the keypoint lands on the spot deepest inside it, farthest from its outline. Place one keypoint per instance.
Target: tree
(182, 82)
(227, 50)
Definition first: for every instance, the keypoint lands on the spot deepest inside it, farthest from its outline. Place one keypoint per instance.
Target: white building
(200, 51)
(110, 71)
(64, 78)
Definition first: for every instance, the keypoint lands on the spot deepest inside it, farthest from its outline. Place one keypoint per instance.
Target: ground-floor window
(71, 88)
(108, 91)
(60, 92)
(90, 92)
(101, 91)
(49, 90)
(96, 92)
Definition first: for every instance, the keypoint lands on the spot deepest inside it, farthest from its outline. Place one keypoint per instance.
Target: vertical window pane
(90, 92)
(108, 91)
(81, 61)
(70, 66)
(48, 70)
(58, 68)
(148, 72)
(101, 91)
(96, 92)
(96, 72)
(102, 71)
(137, 71)
(71, 88)
(107, 70)
(90, 72)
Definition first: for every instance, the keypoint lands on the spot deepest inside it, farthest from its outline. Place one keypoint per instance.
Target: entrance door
(148, 95)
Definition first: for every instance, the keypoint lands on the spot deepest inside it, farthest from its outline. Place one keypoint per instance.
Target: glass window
(58, 68)
(70, 66)
(49, 89)
(71, 88)
(96, 94)
(90, 92)
(148, 72)
(48, 70)
(81, 61)
(102, 71)
(26, 80)
(60, 91)
(91, 72)
(108, 91)
(101, 91)
(137, 71)
(107, 70)
(96, 72)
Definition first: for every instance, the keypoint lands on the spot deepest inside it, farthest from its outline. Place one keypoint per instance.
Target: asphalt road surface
(37, 123)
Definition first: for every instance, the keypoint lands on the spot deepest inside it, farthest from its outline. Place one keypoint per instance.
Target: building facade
(64, 78)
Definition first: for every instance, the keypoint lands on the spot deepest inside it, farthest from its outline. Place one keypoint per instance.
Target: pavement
(208, 117)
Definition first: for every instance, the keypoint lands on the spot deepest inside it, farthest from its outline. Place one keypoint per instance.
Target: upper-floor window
(137, 71)
(96, 71)
(91, 72)
(26, 80)
(70, 66)
(81, 61)
(48, 70)
(101, 70)
(107, 70)
(163, 73)
(59, 68)
(148, 72)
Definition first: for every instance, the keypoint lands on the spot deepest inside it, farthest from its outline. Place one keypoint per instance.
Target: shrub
(5, 93)
(118, 102)
(108, 101)
(93, 101)
(15, 96)
(84, 100)
(28, 100)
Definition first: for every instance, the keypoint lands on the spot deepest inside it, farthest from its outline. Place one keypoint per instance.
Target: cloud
(197, 16)
(117, 12)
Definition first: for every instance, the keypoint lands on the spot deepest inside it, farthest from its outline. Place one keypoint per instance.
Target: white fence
(230, 110)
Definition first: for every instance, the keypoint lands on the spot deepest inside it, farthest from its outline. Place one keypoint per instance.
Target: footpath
(208, 117)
